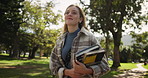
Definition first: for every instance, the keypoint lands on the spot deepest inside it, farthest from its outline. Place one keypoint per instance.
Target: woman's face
(72, 16)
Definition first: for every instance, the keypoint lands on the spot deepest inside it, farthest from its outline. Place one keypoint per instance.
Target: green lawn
(124, 66)
(127, 65)
(35, 68)
(145, 66)
(38, 68)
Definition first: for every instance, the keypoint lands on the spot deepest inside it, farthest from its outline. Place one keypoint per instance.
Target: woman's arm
(101, 68)
(72, 73)
(55, 66)
(78, 70)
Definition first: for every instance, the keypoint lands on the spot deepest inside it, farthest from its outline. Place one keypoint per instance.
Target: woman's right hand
(72, 73)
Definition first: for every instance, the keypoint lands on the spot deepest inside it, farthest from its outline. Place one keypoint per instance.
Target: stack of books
(91, 55)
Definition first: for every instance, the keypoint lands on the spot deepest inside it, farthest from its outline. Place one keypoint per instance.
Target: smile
(69, 18)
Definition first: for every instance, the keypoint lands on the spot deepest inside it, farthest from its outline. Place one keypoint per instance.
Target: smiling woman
(60, 5)
(75, 38)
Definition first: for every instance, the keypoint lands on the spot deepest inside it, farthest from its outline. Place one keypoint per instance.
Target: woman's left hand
(81, 68)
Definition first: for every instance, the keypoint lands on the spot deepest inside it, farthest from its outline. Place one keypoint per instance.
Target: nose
(70, 13)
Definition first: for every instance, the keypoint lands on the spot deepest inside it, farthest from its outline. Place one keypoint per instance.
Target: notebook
(91, 55)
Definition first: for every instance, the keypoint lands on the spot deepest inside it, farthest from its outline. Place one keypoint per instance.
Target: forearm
(100, 69)
(66, 72)
(88, 71)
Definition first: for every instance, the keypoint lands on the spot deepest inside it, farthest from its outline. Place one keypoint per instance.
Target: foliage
(25, 27)
(10, 20)
(111, 45)
(110, 17)
(10, 24)
(37, 20)
(140, 46)
(145, 54)
(125, 55)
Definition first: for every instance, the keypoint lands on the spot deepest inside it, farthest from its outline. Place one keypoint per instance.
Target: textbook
(91, 55)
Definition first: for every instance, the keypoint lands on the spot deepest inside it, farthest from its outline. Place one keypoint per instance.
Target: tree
(10, 23)
(103, 45)
(140, 45)
(38, 19)
(125, 55)
(145, 54)
(51, 37)
(110, 16)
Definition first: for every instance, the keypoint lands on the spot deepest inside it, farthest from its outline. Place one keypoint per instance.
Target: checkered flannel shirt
(83, 40)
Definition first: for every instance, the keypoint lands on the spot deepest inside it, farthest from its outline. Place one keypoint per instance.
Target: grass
(145, 66)
(35, 68)
(124, 66)
(110, 74)
(127, 65)
(38, 68)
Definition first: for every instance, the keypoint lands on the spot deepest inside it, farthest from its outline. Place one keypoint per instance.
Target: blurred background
(29, 29)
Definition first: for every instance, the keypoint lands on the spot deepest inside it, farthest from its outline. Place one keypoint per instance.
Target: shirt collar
(82, 31)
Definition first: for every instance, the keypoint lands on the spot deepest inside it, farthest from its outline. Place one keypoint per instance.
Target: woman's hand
(78, 70)
(72, 73)
(81, 68)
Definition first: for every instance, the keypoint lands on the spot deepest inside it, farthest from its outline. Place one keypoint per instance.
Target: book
(91, 55)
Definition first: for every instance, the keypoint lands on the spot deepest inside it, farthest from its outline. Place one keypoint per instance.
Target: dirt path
(138, 72)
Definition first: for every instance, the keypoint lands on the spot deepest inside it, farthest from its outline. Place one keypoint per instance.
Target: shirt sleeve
(56, 68)
(100, 69)
(103, 67)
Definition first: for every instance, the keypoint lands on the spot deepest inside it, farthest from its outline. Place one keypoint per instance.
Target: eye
(67, 12)
(74, 13)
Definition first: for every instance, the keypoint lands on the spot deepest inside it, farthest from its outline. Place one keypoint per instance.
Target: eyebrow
(73, 10)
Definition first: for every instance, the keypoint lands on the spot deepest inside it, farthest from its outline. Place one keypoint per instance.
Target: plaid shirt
(83, 40)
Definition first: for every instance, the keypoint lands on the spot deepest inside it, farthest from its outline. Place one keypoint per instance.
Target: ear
(81, 19)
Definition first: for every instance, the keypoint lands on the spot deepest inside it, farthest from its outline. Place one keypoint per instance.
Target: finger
(78, 74)
(79, 63)
(73, 63)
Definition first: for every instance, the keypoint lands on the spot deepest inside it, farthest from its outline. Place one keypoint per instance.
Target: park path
(138, 72)
(140, 68)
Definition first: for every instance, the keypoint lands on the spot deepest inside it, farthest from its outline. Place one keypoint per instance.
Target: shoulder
(60, 38)
(86, 32)
(89, 37)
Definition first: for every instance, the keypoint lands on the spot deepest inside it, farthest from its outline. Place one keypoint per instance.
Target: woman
(75, 38)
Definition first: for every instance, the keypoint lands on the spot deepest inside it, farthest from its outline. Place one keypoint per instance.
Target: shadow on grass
(111, 74)
(129, 74)
(28, 69)
(146, 74)
(3, 57)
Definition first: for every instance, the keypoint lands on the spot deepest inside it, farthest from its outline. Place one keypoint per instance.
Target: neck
(72, 29)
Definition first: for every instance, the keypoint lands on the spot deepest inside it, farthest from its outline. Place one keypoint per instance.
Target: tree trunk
(15, 47)
(41, 53)
(116, 57)
(10, 53)
(33, 52)
(24, 54)
(107, 44)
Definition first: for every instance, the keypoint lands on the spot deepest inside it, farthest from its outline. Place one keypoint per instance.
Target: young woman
(75, 38)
